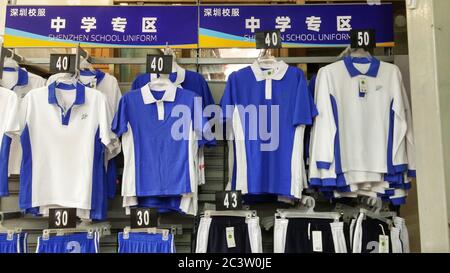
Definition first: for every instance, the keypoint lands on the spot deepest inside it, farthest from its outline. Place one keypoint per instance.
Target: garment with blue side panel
(189, 80)
(72, 243)
(362, 141)
(63, 161)
(161, 158)
(8, 109)
(109, 86)
(20, 81)
(145, 243)
(262, 164)
(13, 243)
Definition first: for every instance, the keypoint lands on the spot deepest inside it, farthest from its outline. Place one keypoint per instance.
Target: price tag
(268, 39)
(159, 64)
(383, 244)
(62, 63)
(231, 242)
(363, 87)
(363, 38)
(317, 241)
(143, 218)
(62, 218)
(229, 200)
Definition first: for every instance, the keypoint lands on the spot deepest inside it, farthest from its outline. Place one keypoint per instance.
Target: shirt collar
(98, 74)
(279, 70)
(176, 77)
(169, 94)
(353, 71)
(79, 98)
(22, 75)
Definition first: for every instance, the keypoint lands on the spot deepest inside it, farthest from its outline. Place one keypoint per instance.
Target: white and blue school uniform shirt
(279, 170)
(189, 80)
(157, 163)
(108, 85)
(64, 130)
(362, 141)
(21, 82)
(8, 109)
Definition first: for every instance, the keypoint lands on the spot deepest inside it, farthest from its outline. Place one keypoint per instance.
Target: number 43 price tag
(62, 63)
(62, 218)
(143, 218)
(268, 39)
(229, 200)
(159, 64)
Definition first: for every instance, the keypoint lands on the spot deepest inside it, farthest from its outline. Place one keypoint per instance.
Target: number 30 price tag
(143, 218)
(229, 200)
(62, 218)
(159, 64)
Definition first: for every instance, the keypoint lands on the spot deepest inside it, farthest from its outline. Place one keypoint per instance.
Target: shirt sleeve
(304, 109)
(16, 121)
(206, 93)
(120, 121)
(399, 122)
(108, 138)
(6, 145)
(202, 126)
(324, 128)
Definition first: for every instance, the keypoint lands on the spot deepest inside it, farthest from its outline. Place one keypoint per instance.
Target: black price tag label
(62, 218)
(143, 218)
(268, 39)
(363, 38)
(159, 64)
(229, 200)
(62, 63)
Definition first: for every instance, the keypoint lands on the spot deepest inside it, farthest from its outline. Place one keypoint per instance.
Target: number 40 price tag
(62, 63)
(268, 39)
(229, 200)
(159, 64)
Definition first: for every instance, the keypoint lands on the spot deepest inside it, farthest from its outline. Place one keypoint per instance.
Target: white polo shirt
(8, 109)
(21, 82)
(63, 133)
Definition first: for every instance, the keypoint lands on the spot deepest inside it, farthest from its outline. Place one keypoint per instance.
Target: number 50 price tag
(229, 200)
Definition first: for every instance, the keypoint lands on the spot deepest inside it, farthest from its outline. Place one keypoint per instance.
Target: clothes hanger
(86, 65)
(165, 232)
(10, 63)
(67, 79)
(306, 210)
(233, 213)
(266, 59)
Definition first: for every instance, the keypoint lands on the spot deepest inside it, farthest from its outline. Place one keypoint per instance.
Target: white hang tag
(317, 241)
(363, 85)
(383, 244)
(231, 242)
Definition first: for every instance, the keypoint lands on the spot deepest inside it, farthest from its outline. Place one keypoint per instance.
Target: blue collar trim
(80, 96)
(99, 75)
(22, 78)
(373, 69)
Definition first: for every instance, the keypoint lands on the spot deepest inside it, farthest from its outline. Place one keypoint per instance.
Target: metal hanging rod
(207, 61)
